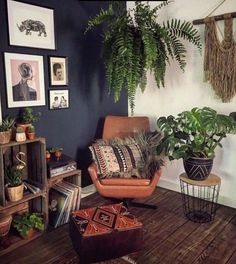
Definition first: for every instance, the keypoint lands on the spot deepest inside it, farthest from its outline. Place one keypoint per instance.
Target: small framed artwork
(58, 99)
(30, 25)
(24, 80)
(58, 71)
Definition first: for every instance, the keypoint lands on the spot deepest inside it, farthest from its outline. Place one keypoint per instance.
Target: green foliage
(19, 129)
(28, 116)
(7, 124)
(132, 46)
(194, 133)
(31, 129)
(24, 222)
(13, 176)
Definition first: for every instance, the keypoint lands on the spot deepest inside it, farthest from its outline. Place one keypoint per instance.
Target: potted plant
(20, 134)
(27, 223)
(57, 151)
(194, 135)
(136, 44)
(14, 183)
(6, 130)
(30, 132)
(28, 117)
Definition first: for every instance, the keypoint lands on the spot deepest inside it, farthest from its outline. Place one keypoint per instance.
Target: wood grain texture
(169, 237)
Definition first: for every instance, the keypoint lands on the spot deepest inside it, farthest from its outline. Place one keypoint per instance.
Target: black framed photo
(58, 99)
(24, 80)
(58, 71)
(30, 25)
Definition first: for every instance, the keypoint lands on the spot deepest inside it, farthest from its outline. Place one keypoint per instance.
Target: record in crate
(58, 167)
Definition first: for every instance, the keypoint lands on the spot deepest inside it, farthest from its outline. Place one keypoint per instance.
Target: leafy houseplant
(14, 184)
(27, 117)
(134, 45)
(20, 134)
(6, 130)
(26, 222)
(30, 132)
(194, 134)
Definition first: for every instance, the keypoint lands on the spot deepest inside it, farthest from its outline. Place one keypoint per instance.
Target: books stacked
(64, 198)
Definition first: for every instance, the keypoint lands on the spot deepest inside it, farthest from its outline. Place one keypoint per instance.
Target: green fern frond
(183, 30)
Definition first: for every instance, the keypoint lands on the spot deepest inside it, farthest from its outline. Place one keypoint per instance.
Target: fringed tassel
(220, 60)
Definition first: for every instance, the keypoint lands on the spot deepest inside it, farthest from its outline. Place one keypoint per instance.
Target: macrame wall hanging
(220, 57)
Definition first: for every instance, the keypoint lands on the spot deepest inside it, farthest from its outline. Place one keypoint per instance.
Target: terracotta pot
(31, 135)
(15, 193)
(5, 136)
(58, 154)
(5, 224)
(20, 137)
(30, 233)
(24, 126)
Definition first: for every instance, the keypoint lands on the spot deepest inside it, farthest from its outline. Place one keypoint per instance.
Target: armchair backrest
(123, 126)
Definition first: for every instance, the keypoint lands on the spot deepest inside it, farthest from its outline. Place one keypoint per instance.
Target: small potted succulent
(20, 134)
(27, 117)
(57, 151)
(27, 223)
(30, 132)
(14, 183)
(6, 130)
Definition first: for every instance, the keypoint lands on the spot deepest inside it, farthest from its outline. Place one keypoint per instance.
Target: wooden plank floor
(169, 238)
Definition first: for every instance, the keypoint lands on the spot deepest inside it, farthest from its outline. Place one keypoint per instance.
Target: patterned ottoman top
(104, 219)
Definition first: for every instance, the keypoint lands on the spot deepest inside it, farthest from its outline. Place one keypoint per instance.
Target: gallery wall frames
(24, 80)
(30, 25)
(58, 68)
(58, 99)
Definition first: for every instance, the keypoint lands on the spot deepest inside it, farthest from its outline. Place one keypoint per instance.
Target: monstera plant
(194, 135)
(136, 44)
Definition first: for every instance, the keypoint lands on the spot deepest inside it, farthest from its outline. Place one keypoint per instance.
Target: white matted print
(59, 99)
(24, 80)
(58, 71)
(30, 25)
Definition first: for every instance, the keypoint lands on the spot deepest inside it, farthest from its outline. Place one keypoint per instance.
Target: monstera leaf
(194, 133)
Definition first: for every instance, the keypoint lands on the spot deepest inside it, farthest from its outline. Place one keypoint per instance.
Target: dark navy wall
(74, 128)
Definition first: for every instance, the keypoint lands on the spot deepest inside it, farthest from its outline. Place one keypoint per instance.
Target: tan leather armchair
(123, 188)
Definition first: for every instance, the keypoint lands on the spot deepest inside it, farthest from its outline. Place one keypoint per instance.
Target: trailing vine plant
(135, 44)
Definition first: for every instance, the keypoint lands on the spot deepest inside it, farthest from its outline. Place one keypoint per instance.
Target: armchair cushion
(116, 160)
(129, 157)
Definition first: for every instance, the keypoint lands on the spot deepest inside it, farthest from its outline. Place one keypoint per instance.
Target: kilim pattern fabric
(119, 158)
(104, 220)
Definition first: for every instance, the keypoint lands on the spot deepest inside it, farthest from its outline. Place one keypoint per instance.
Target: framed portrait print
(30, 25)
(58, 71)
(58, 99)
(24, 80)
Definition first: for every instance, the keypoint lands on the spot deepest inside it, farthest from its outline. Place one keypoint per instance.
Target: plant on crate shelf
(57, 151)
(6, 130)
(27, 223)
(193, 136)
(135, 44)
(31, 132)
(14, 183)
(20, 134)
(27, 117)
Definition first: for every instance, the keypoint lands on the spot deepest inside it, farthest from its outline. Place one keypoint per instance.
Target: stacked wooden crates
(34, 173)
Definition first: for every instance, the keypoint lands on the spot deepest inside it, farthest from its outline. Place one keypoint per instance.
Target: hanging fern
(135, 44)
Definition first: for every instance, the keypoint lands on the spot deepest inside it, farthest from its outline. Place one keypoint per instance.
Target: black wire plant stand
(200, 198)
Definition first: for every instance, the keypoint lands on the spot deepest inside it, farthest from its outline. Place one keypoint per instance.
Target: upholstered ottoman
(105, 232)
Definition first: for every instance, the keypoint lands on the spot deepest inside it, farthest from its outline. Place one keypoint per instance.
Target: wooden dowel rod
(218, 17)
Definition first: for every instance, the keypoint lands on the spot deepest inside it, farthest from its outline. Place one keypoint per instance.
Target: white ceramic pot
(20, 137)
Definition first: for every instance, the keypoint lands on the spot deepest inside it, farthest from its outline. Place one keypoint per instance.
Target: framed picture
(58, 99)
(58, 71)
(24, 80)
(30, 25)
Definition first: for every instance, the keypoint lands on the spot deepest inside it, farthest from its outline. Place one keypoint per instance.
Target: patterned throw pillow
(115, 159)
